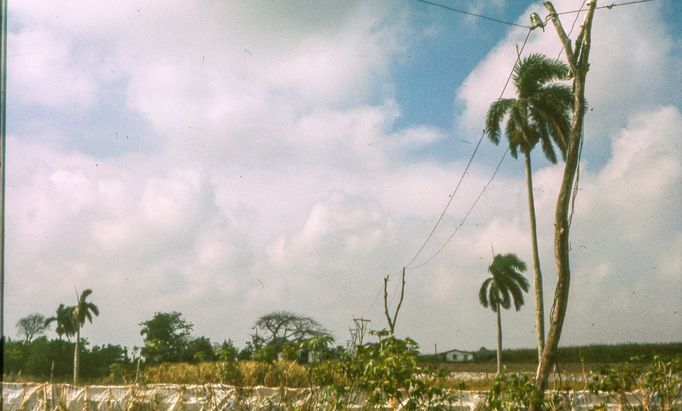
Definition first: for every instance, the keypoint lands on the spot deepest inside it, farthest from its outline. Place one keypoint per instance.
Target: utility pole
(3, 129)
(357, 334)
(360, 328)
(577, 58)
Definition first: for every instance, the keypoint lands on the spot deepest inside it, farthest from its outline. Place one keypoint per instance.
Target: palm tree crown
(65, 321)
(539, 113)
(84, 309)
(507, 284)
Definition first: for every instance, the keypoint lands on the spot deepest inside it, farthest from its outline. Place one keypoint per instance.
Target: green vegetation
(386, 371)
(51, 360)
(659, 381)
(166, 338)
(602, 353)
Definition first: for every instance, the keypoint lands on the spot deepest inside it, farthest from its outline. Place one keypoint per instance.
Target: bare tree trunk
(499, 340)
(76, 356)
(537, 274)
(578, 62)
(392, 321)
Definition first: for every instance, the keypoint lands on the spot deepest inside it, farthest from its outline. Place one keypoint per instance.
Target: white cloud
(283, 184)
(39, 62)
(628, 54)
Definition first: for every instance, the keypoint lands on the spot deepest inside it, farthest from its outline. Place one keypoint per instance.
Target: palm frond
(494, 118)
(483, 293)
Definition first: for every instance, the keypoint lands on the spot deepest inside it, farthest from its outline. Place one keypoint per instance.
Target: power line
(452, 196)
(471, 159)
(609, 6)
(468, 13)
(499, 164)
(575, 20)
(378, 294)
(461, 223)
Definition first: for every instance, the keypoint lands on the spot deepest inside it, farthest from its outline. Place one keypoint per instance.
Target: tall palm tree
(540, 113)
(81, 311)
(64, 320)
(506, 286)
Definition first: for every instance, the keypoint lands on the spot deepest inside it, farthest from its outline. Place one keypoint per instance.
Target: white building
(458, 356)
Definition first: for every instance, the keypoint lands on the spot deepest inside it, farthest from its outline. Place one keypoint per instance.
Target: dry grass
(244, 373)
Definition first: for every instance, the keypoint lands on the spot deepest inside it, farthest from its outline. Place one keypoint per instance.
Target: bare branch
(392, 321)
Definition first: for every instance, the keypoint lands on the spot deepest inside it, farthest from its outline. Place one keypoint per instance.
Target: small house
(458, 356)
(483, 354)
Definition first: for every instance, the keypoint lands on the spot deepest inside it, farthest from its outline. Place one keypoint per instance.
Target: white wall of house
(458, 356)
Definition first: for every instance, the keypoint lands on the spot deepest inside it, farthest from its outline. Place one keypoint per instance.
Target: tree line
(167, 338)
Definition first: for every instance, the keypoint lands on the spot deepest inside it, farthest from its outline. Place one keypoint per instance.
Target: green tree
(31, 326)
(227, 351)
(165, 337)
(540, 113)
(83, 310)
(48, 358)
(199, 349)
(97, 361)
(13, 356)
(64, 320)
(274, 331)
(506, 286)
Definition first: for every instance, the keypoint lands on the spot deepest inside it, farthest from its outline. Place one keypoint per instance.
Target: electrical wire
(610, 6)
(468, 13)
(452, 196)
(378, 294)
(575, 20)
(511, 73)
(461, 223)
(466, 168)
(499, 164)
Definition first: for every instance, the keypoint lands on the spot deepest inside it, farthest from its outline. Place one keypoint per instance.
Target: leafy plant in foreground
(386, 372)
(659, 383)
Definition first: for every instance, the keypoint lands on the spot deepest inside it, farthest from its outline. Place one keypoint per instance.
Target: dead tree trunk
(391, 321)
(577, 59)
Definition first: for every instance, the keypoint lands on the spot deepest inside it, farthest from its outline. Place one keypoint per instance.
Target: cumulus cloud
(282, 182)
(38, 58)
(628, 54)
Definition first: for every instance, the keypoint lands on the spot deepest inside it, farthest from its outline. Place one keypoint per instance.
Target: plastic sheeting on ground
(176, 397)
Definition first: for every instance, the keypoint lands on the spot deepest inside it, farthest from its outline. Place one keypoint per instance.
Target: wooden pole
(3, 130)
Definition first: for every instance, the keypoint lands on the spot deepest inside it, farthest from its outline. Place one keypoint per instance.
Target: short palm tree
(64, 320)
(81, 311)
(506, 286)
(540, 113)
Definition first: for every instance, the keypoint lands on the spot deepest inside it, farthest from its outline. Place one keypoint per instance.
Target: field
(382, 374)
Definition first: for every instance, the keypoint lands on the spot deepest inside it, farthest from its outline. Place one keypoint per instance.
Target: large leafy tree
(64, 319)
(274, 331)
(32, 326)
(540, 113)
(506, 286)
(166, 337)
(83, 310)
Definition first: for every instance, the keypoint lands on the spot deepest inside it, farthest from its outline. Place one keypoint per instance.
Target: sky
(229, 159)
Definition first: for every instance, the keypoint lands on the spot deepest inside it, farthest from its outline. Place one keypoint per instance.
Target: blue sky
(226, 160)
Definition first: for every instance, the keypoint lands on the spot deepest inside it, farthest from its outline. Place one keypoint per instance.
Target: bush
(659, 382)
